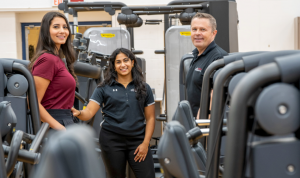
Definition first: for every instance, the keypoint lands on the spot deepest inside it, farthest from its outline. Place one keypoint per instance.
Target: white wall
(7, 4)
(267, 24)
(149, 38)
(8, 37)
(139, 2)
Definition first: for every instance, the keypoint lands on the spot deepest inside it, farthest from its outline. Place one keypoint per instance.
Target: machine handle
(161, 117)
(39, 138)
(23, 155)
(159, 51)
(137, 52)
(13, 153)
(80, 98)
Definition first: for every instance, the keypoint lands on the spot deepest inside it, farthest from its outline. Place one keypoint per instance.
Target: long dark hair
(136, 72)
(46, 45)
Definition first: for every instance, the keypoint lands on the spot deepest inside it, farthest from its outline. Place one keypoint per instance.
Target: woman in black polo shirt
(128, 123)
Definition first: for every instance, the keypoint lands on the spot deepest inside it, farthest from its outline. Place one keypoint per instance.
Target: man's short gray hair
(211, 19)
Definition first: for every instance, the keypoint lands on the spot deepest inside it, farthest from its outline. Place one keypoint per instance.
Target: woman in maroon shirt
(55, 81)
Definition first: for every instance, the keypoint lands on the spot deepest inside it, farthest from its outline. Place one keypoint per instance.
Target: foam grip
(194, 135)
(277, 109)
(17, 85)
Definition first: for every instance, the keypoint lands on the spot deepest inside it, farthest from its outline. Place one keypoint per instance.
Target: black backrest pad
(174, 152)
(184, 115)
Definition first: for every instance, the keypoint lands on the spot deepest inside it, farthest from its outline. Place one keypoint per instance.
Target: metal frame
(237, 135)
(244, 62)
(207, 79)
(2, 163)
(218, 103)
(207, 87)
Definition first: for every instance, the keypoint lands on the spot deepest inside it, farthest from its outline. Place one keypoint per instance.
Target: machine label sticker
(198, 69)
(188, 33)
(107, 35)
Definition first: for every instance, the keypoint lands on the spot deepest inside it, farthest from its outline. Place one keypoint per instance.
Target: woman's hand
(59, 127)
(75, 112)
(141, 152)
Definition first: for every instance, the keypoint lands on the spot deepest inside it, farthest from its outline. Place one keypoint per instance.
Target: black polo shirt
(196, 72)
(123, 113)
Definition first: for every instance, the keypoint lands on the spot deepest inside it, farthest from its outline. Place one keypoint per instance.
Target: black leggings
(63, 116)
(118, 149)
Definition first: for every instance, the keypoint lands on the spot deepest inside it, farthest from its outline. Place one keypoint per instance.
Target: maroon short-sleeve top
(60, 93)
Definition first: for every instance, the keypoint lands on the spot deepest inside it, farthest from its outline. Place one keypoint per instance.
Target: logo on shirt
(115, 90)
(133, 90)
(198, 69)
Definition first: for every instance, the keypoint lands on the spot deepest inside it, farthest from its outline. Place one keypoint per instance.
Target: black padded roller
(277, 109)
(17, 85)
(127, 19)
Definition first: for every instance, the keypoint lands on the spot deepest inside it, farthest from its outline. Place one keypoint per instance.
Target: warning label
(107, 35)
(185, 33)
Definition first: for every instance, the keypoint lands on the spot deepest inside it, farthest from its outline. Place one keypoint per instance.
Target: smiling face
(202, 33)
(59, 31)
(123, 65)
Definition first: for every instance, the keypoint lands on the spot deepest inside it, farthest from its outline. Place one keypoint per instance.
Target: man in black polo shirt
(203, 33)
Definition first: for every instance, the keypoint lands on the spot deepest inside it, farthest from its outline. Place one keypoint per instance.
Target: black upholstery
(174, 153)
(71, 153)
(185, 117)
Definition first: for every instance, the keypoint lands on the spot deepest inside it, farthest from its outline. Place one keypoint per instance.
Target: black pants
(63, 116)
(118, 149)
